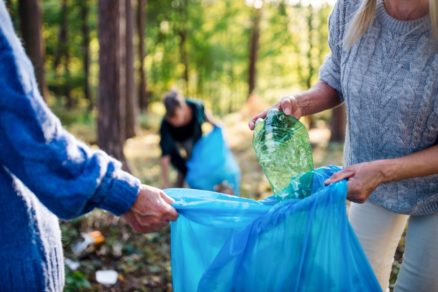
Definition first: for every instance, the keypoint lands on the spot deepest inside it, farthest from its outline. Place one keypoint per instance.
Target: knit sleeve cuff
(117, 192)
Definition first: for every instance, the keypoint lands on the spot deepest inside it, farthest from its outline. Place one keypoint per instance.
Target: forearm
(165, 160)
(209, 118)
(422, 163)
(67, 177)
(317, 99)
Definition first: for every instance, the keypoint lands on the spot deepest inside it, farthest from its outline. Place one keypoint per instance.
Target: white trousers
(379, 231)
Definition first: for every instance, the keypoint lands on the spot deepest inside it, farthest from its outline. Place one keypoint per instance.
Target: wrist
(388, 169)
(117, 192)
(302, 103)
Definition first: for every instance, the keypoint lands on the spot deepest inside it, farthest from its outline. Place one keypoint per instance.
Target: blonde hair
(365, 16)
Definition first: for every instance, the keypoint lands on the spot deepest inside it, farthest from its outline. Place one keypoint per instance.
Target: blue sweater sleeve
(69, 178)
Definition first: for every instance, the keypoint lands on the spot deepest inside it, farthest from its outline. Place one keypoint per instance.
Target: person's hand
(288, 105)
(151, 211)
(363, 179)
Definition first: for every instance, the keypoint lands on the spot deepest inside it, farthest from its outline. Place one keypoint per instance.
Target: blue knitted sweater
(44, 173)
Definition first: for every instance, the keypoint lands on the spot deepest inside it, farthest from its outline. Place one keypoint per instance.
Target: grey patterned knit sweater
(389, 82)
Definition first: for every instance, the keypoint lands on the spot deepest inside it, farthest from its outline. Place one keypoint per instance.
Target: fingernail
(287, 111)
(326, 182)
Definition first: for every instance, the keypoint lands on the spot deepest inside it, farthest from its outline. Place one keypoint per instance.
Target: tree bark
(337, 124)
(253, 50)
(131, 95)
(310, 34)
(142, 84)
(184, 58)
(31, 24)
(310, 63)
(62, 55)
(183, 36)
(70, 102)
(86, 53)
(112, 80)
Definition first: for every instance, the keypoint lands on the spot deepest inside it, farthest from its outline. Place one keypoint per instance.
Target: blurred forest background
(104, 65)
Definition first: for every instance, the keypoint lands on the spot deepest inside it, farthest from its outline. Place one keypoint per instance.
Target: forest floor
(143, 261)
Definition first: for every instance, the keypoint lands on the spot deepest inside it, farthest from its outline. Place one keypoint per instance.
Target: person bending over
(180, 129)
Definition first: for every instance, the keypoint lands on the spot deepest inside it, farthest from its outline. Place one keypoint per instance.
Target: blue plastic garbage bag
(228, 243)
(212, 163)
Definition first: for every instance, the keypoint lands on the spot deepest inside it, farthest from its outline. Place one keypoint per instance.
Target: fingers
(343, 174)
(152, 210)
(134, 223)
(252, 122)
(286, 105)
(166, 198)
(149, 228)
(146, 224)
(169, 212)
(261, 115)
(355, 194)
(362, 178)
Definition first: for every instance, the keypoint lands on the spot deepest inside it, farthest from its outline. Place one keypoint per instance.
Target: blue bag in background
(228, 243)
(212, 164)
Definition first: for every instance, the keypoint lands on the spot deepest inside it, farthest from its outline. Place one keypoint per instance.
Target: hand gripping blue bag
(228, 243)
(212, 164)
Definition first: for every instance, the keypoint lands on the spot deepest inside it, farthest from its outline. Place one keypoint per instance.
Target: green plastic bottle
(283, 150)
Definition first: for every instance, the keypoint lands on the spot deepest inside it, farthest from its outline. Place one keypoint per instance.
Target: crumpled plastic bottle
(283, 150)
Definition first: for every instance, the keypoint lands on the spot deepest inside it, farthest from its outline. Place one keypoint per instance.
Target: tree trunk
(9, 4)
(70, 102)
(184, 58)
(310, 62)
(142, 86)
(62, 55)
(310, 34)
(253, 50)
(62, 36)
(86, 53)
(31, 23)
(112, 80)
(131, 103)
(183, 35)
(337, 124)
